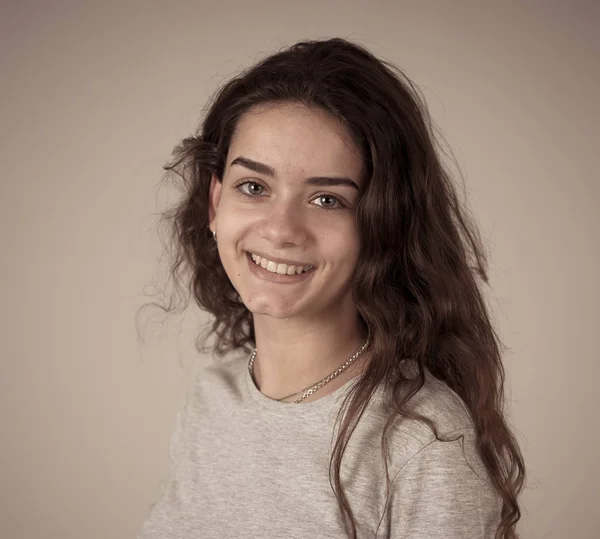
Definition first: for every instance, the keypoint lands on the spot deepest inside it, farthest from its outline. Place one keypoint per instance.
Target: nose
(284, 224)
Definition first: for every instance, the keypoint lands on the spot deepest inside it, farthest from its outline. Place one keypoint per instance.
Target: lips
(277, 260)
(273, 277)
(279, 266)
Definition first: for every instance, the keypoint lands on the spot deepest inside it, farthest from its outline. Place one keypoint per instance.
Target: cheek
(341, 249)
(232, 221)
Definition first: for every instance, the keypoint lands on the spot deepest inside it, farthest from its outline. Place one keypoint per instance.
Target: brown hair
(415, 285)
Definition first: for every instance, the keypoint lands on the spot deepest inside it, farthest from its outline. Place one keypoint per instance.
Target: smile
(274, 272)
(281, 269)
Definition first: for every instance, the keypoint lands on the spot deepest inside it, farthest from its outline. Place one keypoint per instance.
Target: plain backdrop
(94, 95)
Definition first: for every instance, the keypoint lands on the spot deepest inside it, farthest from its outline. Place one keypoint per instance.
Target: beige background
(94, 96)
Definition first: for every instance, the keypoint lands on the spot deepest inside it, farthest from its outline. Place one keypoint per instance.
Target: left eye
(329, 205)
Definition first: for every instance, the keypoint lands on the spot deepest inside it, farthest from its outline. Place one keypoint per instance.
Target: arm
(443, 492)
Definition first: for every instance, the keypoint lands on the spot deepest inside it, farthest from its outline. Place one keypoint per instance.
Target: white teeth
(281, 269)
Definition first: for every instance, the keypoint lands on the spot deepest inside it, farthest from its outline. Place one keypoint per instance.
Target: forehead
(295, 139)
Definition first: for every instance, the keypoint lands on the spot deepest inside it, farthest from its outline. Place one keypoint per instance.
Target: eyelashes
(239, 187)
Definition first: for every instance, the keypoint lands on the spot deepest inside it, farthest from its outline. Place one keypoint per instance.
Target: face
(289, 193)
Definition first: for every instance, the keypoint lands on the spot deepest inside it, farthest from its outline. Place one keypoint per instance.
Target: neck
(292, 356)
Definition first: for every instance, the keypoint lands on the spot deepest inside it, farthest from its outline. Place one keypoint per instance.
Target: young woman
(321, 231)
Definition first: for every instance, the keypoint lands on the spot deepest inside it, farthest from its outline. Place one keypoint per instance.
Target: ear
(214, 195)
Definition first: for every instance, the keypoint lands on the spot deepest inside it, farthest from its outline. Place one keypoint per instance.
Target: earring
(215, 235)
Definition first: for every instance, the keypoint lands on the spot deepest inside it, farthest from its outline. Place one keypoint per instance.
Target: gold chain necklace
(307, 392)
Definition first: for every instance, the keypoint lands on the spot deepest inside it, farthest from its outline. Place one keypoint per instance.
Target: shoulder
(443, 484)
(220, 374)
(448, 414)
(227, 369)
(436, 401)
(444, 491)
(212, 382)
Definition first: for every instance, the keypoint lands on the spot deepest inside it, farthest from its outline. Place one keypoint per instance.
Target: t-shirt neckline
(301, 408)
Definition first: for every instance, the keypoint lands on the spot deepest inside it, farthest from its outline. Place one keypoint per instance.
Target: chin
(274, 309)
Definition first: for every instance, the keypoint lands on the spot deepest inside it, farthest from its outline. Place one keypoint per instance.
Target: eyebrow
(261, 168)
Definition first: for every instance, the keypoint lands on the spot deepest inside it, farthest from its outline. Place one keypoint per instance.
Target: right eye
(249, 188)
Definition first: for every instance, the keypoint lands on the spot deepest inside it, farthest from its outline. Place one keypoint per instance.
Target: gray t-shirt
(247, 466)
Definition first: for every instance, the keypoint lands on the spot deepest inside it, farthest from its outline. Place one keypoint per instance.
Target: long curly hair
(416, 282)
